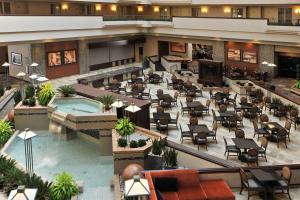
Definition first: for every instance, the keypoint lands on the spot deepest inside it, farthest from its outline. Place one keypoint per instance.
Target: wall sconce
(166, 9)
(64, 6)
(227, 10)
(113, 8)
(297, 11)
(204, 9)
(98, 7)
(156, 8)
(140, 8)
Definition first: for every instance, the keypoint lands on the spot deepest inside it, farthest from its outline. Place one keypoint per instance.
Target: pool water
(80, 158)
(77, 106)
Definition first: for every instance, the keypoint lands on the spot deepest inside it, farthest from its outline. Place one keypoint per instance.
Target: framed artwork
(54, 59)
(178, 47)
(250, 57)
(16, 58)
(234, 54)
(70, 57)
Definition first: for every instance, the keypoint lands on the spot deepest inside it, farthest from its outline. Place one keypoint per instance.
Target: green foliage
(17, 96)
(1, 90)
(25, 102)
(157, 147)
(146, 62)
(298, 84)
(124, 127)
(66, 90)
(122, 142)
(133, 144)
(31, 102)
(29, 91)
(64, 187)
(141, 142)
(45, 94)
(6, 164)
(5, 132)
(106, 100)
(43, 188)
(170, 157)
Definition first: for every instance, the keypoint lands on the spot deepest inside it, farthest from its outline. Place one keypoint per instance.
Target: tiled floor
(275, 155)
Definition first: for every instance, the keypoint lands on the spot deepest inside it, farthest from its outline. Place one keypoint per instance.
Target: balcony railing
(136, 17)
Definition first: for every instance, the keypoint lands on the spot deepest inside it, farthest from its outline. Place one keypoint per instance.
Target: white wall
(121, 52)
(99, 55)
(25, 50)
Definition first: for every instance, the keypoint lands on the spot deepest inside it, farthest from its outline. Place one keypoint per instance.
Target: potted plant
(145, 62)
(1, 90)
(17, 97)
(45, 94)
(124, 127)
(297, 84)
(170, 158)
(155, 157)
(29, 91)
(66, 90)
(106, 100)
(64, 187)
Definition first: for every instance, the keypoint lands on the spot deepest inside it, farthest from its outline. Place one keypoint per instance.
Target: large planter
(154, 162)
(295, 91)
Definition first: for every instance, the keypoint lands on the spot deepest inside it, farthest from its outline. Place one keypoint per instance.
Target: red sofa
(190, 187)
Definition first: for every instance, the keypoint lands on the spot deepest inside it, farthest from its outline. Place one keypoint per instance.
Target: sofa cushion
(192, 193)
(217, 190)
(166, 184)
(169, 195)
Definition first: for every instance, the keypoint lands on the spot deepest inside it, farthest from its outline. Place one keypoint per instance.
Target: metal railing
(136, 17)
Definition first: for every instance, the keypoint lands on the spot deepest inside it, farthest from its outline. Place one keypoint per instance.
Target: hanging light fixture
(132, 108)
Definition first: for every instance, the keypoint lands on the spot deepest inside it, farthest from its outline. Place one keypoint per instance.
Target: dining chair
(175, 121)
(230, 150)
(201, 139)
(287, 127)
(281, 136)
(251, 185)
(283, 185)
(185, 134)
(251, 156)
(262, 151)
(184, 109)
(239, 133)
(213, 133)
(258, 131)
(193, 121)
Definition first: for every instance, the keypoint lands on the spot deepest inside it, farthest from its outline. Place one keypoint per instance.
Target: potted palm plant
(106, 100)
(124, 127)
(66, 90)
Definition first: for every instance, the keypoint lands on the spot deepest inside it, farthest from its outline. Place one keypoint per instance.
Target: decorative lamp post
(34, 65)
(33, 77)
(26, 136)
(22, 193)
(132, 109)
(21, 75)
(6, 72)
(136, 187)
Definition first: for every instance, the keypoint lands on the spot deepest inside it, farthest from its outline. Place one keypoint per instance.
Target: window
(285, 16)
(195, 12)
(237, 12)
(55, 9)
(6, 8)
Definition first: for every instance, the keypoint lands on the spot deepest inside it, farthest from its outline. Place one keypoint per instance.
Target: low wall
(34, 117)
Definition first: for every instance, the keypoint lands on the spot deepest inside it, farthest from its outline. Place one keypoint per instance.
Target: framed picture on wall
(178, 47)
(250, 57)
(70, 57)
(234, 54)
(54, 59)
(16, 58)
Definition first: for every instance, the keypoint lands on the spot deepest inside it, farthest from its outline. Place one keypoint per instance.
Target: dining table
(193, 104)
(158, 116)
(164, 96)
(198, 129)
(268, 178)
(244, 144)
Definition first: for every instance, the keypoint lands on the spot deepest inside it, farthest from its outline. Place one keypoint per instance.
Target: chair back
(207, 103)
(214, 114)
(255, 126)
(225, 141)
(239, 133)
(177, 116)
(252, 152)
(159, 109)
(215, 127)
(159, 92)
(294, 113)
(244, 177)
(282, 133)
(193, 121)
(176, 95)
(163, 121)
(189, 99)
(287, 126)
(223, 108)
(202, 135)
(264, 118)
(243, 100)
(264, 143)
(286, 174)
(133, 76)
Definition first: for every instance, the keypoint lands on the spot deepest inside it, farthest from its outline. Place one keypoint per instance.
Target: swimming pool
(79, 157)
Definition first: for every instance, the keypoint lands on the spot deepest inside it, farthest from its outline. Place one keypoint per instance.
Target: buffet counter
(172, 63)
